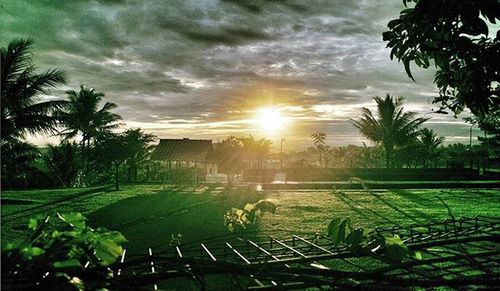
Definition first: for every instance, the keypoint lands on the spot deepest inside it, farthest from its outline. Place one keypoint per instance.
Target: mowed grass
(148, 215)
(305, 212)
(18, 206)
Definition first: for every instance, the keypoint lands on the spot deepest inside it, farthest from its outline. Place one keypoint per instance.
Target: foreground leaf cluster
(58, 249)
(389, 248)
(237, 218)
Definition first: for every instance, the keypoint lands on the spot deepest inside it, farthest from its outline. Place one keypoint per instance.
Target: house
(185, 153)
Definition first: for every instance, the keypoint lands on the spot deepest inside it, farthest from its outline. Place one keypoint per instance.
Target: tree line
(99, 155)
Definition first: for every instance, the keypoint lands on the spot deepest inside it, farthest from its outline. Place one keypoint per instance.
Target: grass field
(148, 215)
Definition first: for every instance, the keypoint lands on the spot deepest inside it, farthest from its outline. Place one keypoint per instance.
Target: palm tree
(392, 127)
(18, 163)
(63, 162)
(21, 90)
(319, 140)
(428, 143)
(82, 116)
(138, 145)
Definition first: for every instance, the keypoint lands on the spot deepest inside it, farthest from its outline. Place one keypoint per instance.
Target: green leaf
(107, 251)
(249, 207)
(393, 23)
(355, 237)
(394, 240)
(338, 230)
(30, 252)
(395, 249)
(33, 223)
(75, 219)
(407, 68)
(388, 35)
(7, 246)
(71, 263)
(418, 256)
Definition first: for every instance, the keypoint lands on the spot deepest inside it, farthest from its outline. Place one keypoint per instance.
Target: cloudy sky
(208, 69)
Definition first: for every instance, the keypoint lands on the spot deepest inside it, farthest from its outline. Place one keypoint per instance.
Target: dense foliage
(235, 153)
(23, 110)
(457, 35)
(81, 116)
(240, 219)
(56, 252)
(93, 160)
(391, 127)
(391, 248)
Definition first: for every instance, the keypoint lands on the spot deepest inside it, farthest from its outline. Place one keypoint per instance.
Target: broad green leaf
(396, 252)
(30, 252)
(75, 219)
(239, 213)
(107, 251)
(394, 240)
(333, 228)
(395, 248)
(249, 207)
(71, 263)
(417, 256)
(407, 69)
(355, 237)
(33, 223)
(339, 229)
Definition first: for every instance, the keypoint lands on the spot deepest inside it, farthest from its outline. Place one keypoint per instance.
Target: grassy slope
(148, 215)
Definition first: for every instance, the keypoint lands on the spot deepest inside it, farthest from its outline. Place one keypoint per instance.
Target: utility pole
(470, 149)
(470, 137)
(281, 154)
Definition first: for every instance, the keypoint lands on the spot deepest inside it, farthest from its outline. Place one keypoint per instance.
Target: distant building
(176, 154)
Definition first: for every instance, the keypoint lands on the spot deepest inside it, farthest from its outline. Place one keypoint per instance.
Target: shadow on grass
(354, 205)
(418, 218)
(413, 197)
(149, 221)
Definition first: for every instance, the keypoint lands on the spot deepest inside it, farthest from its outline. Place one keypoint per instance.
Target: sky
(207, 69)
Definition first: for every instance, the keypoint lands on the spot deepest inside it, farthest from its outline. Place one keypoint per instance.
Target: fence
(455, 253)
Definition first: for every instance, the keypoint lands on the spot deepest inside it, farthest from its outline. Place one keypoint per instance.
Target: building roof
(196, 150)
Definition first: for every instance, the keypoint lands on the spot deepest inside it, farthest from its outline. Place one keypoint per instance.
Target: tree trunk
(387, 157)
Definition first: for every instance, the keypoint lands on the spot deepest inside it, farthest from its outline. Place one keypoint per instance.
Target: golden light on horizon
(270, 119)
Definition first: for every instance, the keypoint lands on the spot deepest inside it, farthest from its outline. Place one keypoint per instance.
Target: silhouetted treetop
(456, 35)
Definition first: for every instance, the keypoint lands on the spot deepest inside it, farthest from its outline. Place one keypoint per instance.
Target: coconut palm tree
(138, 145)
(428, 143)
(23, 108)
(63, 163)
(319, 140)
(392, 127)
(81, 116)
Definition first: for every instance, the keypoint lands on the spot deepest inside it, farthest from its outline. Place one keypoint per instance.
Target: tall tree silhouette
(319, 140)
(138, 145)
(23, 110)
(256, 150)
(392, 127)
(82, 116)
(428, 143)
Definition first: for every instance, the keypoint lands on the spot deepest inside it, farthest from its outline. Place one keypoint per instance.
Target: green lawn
(148, 215)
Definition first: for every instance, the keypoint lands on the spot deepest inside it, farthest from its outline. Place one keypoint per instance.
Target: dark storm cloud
(195, 62)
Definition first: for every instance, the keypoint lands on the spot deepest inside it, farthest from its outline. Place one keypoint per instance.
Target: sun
(270, 119)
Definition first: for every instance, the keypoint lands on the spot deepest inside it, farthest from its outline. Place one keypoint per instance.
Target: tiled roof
(196, 150)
